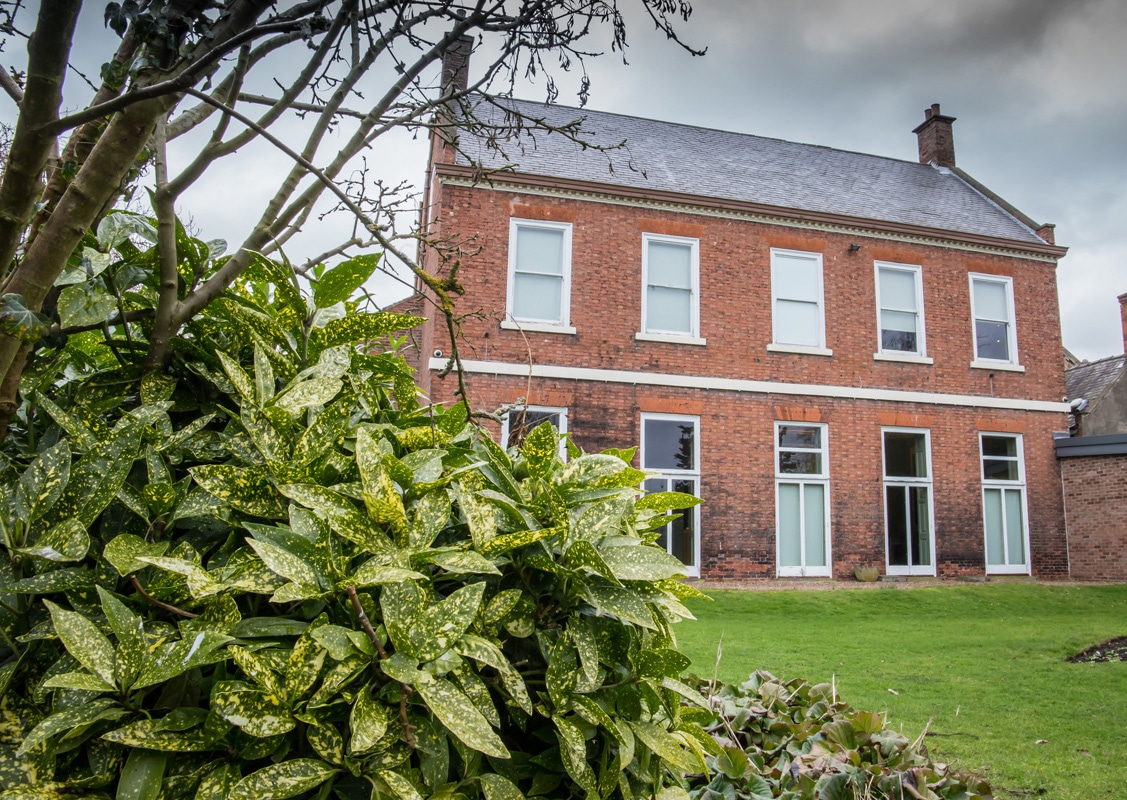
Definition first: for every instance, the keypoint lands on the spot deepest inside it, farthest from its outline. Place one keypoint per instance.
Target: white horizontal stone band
(751, 387)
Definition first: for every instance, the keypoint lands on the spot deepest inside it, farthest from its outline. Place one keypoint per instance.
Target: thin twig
(159, 604)
(404, 689)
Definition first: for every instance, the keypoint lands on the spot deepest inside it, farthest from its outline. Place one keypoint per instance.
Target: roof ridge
(717, 130)
(1097, 361)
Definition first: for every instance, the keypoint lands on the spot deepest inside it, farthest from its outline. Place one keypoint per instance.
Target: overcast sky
(1039, 88)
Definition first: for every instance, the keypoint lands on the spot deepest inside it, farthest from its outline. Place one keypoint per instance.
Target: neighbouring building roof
(1090, 379)
(670, 157)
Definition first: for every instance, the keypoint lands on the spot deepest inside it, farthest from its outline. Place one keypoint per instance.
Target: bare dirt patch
(1111, 650)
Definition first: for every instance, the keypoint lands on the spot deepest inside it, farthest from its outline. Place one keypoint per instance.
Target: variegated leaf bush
(270, 572)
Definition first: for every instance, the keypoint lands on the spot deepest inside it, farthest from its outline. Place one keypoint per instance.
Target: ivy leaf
(338, 283)
(42, 482)
(280, 781)
(20, 322)
(67, 541)
(84, 641)
(82, 305)
(454, 710)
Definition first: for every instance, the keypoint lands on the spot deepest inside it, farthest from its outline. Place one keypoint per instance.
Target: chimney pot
(934, 137)
(1123, 316)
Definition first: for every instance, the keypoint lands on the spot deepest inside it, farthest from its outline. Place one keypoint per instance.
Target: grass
(984, 665)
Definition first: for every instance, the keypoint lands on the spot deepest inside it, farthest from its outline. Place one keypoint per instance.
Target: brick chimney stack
(456, 64)
(937, 145)
(1123, 316)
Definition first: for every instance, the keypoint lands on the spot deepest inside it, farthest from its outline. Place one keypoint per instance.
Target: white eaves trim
(750, 387)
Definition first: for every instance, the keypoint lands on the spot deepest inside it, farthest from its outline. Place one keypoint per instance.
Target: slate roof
(736, 166)
(1090, 379)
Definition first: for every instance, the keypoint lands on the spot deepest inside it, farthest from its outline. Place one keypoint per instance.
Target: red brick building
(854, 360)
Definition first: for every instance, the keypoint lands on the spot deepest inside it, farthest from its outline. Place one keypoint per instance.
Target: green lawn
(984, 664)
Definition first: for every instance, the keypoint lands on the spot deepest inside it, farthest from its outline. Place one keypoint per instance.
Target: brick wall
(1095, 498)
(736, 429)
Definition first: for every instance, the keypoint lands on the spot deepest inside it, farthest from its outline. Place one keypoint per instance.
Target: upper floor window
(900, 317)
(539, 273)
(798, 315)
(992, 308)
(670, 277)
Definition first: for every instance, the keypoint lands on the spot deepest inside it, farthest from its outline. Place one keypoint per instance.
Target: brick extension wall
(1095, 499)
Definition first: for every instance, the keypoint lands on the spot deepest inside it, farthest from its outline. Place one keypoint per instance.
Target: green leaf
(123, 550)
(67, 541)
(541, 448)
(200, 583)
(263, 375)
(466, 562)
(497, 787)
(150, 734)
(686, 691)
(454, 710)
(430, 632)
(86, 304)
(166, 661)
(490, 654)
(622, 603)
(429, 515)
(480, 516)
(368, 722)
(311, 393)
(280, 781)
(97, 476)
(400, 785)
(341, 515)
(256, 712)
(239, 378)
(573, 751)
(583, 554)
(290, 566)
(374, 574)
(358, 327)
(19, 322)
(663, 744)
(66, 720)
(42, 482)
(84, 641)
(508, 542)
(660, 663)
(338, 283)
(141, 776)
(132, 648)
(667, 501)
(82, 681)
(268, 627)
(245, 489)
(642, 563)
(562, 675)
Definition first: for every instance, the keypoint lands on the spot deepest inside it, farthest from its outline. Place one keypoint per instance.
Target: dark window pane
(800, 436)
(669, 444)
(997, 470)
(999, 446)
(524, 420)
(800, 463)
(900, 341)
(656, 485)
(905, 455)
(992, 339)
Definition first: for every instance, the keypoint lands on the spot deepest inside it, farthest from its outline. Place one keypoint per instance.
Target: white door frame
(1018, 485)
(802, 481)
(928, 483)
(670, 475)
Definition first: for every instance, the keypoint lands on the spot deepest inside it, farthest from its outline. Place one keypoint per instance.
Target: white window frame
(920, 355)
(1004, 485)
(670, 475)
(785, 347)
(562, 429)
(652, 332)
(1012, 363)
(822, 479)
(513, 322)
(928, 482)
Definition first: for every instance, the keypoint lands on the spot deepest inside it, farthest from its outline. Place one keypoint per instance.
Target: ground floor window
(671, 448)
(1003, 503)
(802, 509)
(516, 424)
(908, 513)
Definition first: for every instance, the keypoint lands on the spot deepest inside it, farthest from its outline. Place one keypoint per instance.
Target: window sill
(671, 338)
(536, 327)
(997, 366)
(907, 358)
(799, 349)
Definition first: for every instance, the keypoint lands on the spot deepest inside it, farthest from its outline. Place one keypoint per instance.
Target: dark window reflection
(992, 339)
(905, 455)
(669, 444)
(524, 420)
(900, 341)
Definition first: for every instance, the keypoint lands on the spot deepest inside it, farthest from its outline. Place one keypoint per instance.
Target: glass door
(802, 500)
(671, 448)
(908, 515)
(1003, 504)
